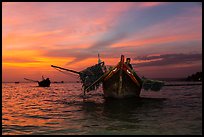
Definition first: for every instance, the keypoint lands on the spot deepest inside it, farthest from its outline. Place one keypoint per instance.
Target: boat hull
(44, 84)
(121, 82)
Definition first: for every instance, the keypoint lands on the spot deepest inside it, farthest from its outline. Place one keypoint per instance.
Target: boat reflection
(123, 109)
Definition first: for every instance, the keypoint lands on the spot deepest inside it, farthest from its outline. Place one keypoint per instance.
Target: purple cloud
(168, 59)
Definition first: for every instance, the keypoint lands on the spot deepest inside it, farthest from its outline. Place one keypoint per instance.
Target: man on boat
(43, 78)
(133, 71)
(47, 80)
(128, 63)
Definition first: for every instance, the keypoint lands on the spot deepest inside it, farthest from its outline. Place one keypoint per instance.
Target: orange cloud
(30, 58)
(18, 64)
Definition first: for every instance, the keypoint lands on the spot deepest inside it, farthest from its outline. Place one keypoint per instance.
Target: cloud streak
(168, 59)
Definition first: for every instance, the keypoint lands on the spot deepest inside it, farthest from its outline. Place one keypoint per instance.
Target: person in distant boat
(128, 63)
(47, 80)
(43, 78)
(44, 83)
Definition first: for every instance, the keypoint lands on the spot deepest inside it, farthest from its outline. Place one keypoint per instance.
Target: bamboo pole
(31, 80)
(73, 71)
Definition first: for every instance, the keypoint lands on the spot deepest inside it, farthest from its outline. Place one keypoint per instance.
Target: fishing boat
(44, 83)
(121, 82)
(118, 82)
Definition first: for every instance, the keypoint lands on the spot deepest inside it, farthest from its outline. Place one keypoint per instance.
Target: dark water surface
(60, 109)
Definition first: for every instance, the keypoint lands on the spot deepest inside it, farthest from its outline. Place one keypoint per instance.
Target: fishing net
(153, 85)
(90, 75)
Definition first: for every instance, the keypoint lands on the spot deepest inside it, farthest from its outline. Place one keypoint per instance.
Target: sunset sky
(163, 39)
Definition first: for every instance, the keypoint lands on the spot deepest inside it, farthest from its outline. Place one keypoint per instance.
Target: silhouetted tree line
(195, 77)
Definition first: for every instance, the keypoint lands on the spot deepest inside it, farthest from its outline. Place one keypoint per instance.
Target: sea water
(61, 109)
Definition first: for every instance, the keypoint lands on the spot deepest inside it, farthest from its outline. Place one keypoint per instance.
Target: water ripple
(60, 109)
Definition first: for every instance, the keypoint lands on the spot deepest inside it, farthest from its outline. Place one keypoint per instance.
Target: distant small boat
(44, 83)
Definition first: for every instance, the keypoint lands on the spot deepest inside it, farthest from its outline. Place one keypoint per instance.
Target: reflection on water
(123, 108)
(121, 115)
(60, 109)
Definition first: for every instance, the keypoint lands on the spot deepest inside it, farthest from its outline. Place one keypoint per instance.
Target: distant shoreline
(170, 79)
